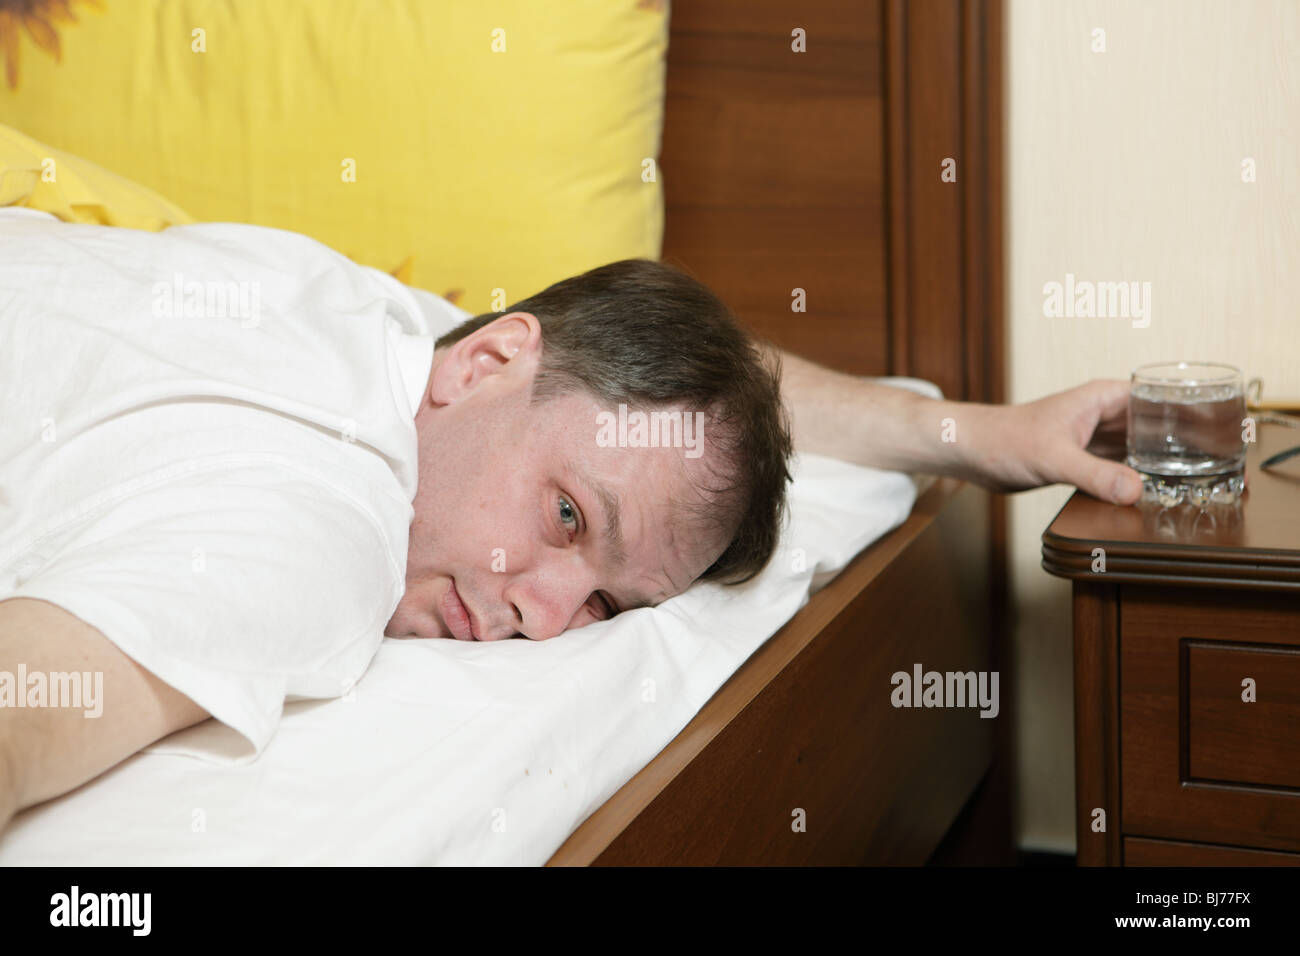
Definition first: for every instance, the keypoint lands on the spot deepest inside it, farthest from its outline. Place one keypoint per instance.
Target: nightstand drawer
(1243, 713)
(1198, 762)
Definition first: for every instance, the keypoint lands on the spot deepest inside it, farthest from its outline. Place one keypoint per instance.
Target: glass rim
(1146, 373)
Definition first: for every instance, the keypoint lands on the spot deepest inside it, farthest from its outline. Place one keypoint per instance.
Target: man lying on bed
(230, 463)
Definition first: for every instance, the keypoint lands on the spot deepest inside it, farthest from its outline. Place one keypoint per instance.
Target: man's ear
(510, 344)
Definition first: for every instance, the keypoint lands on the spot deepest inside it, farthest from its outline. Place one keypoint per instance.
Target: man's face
(524, 524)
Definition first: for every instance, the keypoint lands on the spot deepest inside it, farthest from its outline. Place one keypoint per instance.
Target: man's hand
(1071, 437)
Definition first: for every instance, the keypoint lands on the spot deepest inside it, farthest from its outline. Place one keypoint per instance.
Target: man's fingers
(1112, 395)
(1105, 480)
(1112, 447)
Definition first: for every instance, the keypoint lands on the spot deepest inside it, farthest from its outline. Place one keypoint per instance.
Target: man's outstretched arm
(1059, 438)
(47, 751)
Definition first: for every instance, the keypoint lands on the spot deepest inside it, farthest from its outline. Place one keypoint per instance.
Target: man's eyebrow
(613, 533)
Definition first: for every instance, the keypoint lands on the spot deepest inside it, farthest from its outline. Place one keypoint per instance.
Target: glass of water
(1186, 434)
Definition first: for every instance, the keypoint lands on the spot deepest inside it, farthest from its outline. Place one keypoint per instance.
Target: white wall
(1127, 165)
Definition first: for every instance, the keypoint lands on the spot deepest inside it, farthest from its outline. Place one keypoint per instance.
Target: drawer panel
(1196, 763)
(1139, 851)
(1230, 739)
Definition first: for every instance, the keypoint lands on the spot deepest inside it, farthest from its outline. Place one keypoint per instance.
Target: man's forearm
(47, 751)
(881, 426)
(1076, 436)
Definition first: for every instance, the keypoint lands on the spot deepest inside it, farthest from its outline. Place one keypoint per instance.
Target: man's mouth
(456, 616)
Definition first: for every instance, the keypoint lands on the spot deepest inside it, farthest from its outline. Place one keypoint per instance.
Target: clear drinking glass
(1185, 432)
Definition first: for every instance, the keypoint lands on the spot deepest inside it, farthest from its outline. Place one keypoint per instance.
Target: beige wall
(1127, 166)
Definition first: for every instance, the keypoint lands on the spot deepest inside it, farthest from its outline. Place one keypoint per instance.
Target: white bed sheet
(454, 753)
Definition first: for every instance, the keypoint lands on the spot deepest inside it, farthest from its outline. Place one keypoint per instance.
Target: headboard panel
(774, 171)
(822, 171)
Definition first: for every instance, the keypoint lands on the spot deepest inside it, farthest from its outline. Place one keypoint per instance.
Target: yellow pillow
(495, 146)
(38, 177)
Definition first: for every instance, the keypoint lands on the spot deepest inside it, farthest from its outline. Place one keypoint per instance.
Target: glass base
(1169, 491)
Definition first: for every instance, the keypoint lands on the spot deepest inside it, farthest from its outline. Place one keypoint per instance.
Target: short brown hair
(646, 334)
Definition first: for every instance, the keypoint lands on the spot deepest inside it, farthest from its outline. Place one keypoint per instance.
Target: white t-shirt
(207, 451)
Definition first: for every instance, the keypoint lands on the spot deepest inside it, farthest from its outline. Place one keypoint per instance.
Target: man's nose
(546, 601)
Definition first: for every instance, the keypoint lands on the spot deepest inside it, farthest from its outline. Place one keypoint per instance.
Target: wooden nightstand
(1186, 612)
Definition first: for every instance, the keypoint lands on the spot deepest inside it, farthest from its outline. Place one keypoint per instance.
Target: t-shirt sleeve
(239, 586)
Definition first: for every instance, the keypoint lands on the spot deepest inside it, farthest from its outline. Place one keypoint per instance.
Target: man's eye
(568, 514)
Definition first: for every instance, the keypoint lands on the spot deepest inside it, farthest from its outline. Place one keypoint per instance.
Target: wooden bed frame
(821, 170)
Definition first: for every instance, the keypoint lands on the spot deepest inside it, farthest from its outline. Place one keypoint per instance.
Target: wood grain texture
(1252, 546)
(944, 101)
(773, 170)
(1139, 851)
(821, 171)
(932, 340)
(1230, 740)
(1164, 741)
(1096, 722)
(1161, 798)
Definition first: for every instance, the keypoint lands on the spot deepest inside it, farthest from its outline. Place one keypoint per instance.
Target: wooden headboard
(822, 171)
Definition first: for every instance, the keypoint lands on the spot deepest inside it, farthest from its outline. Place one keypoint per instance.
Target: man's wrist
(953, 437)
